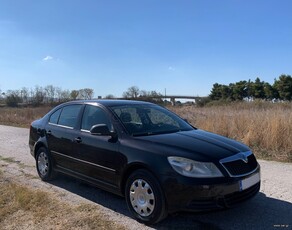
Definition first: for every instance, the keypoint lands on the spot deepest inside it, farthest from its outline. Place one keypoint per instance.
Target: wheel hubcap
(43, 164)
(142, 197)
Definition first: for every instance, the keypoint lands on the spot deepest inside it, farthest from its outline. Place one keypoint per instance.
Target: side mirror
(101, 130)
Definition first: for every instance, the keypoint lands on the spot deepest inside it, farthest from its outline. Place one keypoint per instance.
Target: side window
(93, 116)
(55, 117)
(69, 115)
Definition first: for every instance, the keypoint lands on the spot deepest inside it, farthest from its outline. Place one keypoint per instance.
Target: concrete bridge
(174, 97)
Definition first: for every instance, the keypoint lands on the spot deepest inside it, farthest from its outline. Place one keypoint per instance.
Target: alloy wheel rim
(142, 197)
(43, 163)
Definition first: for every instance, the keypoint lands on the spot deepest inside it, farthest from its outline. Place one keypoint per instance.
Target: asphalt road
(270, 209)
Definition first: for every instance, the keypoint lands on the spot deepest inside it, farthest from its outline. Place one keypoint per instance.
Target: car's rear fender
(40, 143)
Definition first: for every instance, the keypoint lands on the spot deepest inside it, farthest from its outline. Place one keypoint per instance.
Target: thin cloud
(170, 68)
(48, 58)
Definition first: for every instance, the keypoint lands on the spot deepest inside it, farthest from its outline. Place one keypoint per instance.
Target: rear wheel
(44, 164)
(145, 198)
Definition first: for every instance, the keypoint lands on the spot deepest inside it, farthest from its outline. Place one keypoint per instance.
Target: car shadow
(261, 212)
(92, 193)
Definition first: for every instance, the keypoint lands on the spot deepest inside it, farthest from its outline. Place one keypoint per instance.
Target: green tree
(270, 91)
(215, 92)
(225, 92)
(258, 89)
(220, 92)
(249, 89)
(239, 90)
(284, 87)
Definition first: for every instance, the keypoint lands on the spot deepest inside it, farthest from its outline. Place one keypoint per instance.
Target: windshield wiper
(142, 134)
(155, 133)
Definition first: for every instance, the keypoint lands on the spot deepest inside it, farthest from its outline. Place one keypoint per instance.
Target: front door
(99, 155)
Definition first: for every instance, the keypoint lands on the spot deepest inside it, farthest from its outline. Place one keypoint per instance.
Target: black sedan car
(142, 151)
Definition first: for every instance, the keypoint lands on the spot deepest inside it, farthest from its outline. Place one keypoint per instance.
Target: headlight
(190, 168)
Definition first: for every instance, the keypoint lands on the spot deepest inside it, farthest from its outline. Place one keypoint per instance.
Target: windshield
(141, 120)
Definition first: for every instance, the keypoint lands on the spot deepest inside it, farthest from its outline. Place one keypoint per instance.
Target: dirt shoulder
(71, 204)
(26, 207)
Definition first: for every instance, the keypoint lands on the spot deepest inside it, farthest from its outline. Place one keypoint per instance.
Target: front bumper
(192, 194)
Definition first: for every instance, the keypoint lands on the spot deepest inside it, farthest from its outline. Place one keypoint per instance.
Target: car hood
(197, 144)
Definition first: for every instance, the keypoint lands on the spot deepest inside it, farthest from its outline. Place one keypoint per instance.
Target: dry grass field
(264, 126)
(21, 117)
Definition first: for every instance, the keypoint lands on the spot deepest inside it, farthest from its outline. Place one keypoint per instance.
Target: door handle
(39, 131)
(78, 139)
(49, 132)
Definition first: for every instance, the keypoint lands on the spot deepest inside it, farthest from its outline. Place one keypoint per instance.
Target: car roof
(109, 102)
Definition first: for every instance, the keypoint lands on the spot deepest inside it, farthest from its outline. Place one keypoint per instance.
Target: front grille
(238, 166)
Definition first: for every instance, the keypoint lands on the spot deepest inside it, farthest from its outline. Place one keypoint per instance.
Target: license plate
(248, 182)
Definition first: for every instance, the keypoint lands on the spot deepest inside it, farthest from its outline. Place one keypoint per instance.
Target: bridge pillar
(172, 100)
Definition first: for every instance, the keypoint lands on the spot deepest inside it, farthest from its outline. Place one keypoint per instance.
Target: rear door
(60, 132)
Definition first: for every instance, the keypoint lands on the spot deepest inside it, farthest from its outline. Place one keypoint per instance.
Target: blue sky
(181, 45)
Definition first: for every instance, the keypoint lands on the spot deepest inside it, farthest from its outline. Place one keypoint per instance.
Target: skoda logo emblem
(244, 158)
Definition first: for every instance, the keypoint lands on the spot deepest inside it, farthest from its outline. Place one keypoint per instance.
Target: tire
(145, 198)
(44, 165)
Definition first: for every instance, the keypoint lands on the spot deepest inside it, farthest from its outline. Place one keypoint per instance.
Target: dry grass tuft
(7, 159)
(24, 208)
(265, 127)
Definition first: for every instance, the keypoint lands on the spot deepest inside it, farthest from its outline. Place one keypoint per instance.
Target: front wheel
(145, 198)
(44, 165)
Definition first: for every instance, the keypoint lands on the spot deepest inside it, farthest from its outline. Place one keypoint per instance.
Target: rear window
(67, 116)
(55, 117)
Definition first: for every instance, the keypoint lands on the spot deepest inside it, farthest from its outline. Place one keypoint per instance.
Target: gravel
(270, 209)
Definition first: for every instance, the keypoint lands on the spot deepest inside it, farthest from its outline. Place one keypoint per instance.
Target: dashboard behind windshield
(140, 120)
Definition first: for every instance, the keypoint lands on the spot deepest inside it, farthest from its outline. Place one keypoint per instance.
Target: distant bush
(12, 100)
